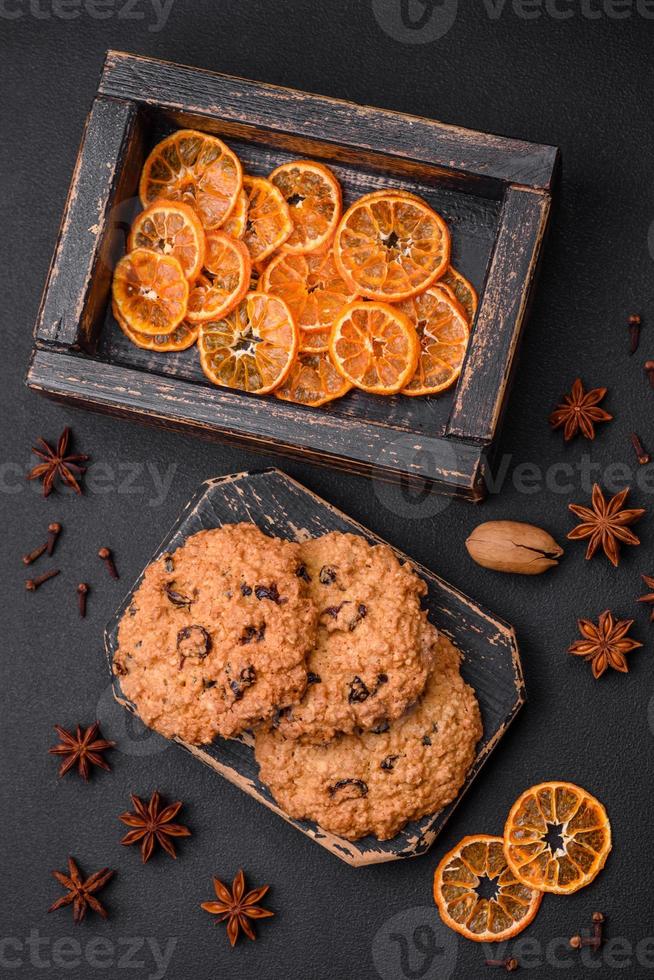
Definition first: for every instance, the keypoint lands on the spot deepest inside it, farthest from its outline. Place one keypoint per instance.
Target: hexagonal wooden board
(491, 664)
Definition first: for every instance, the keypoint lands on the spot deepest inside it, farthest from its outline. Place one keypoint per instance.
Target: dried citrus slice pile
(442, 329)
(391, 245)
(268, 222)
(197, 169)
(150, 291)
(375, 347)
(479, 896)
(557, 838)
(252, 348)
(367, 299)
(313, 196)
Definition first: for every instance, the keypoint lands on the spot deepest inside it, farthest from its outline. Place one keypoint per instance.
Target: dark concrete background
(582, 82)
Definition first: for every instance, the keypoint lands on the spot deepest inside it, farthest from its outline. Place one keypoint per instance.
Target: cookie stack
(362, 721)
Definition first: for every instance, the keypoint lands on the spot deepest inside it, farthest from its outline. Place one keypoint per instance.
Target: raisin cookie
(217, 635)
(374, 647)
(375, 783)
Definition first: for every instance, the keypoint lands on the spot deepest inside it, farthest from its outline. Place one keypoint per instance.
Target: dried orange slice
(314, 340)
(252, 348)
(183, 336)
(442, 329)
(313, 380)
(224, 281)
(172, 229)
(557, 838)
(235, 224)
(313, 195)
(197, 169)
(150, 291)
(375, 347)
(478, 895)
(310, 285)
(463, 291)
(268, 222)
(391, 245)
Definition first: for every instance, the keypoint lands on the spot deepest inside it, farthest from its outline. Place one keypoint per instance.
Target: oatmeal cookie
(374, 647)
(375, 783)
(217, 635)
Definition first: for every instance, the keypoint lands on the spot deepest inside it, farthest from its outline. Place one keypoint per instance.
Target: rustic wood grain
(260, 423)
(281, 506)
(237, 104)
(483, 387)
(78, 282)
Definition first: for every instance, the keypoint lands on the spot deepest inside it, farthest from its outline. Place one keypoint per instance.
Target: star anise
(82, 748)
(649, 598)
(81, 894)
(56, 463)
(606, 524)
(152, 823)
(236, 907)
(605, 644)
(579, 412)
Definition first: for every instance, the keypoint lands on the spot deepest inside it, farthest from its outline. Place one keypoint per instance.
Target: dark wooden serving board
(281, 506)
(494, 193)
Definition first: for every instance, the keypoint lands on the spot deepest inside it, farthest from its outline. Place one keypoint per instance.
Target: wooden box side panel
(492, 665)
(78, 283)
(483, 387)
(476, 158)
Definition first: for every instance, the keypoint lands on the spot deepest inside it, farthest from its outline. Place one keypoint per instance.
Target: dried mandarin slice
(375, 347)
(557, 838)
(182, 337)
(478, 895)
(235, 224)
(390, 245)
(314, 340)
(172, 229)
(313, 195)
(310, 285)
(197, 169)
(268, 222)
(442, 329)
(463, 291)
(150, 291)
(224, 281)
(252, 348)
(313, 380)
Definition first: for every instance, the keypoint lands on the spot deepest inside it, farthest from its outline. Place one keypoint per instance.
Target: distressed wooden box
(495, 194)
(279, 505)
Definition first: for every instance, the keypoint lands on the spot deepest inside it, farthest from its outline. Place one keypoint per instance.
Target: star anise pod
(81, 894)
(605, 644)
(236, 908)
(579, 412)
(83, 749)
(152, 823)
(57, 463)
(606, 524)
(649, 598)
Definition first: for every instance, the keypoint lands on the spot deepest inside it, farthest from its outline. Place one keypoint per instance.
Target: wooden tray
(279, 505)
(493, 192)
